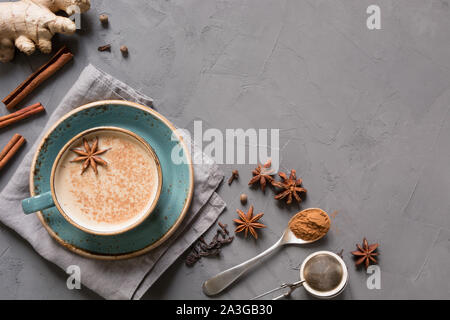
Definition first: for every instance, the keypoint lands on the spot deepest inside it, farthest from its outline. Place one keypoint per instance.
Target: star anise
(89, 156)
(292, 187)
(262, 174)
(365, 253)
(248, 222)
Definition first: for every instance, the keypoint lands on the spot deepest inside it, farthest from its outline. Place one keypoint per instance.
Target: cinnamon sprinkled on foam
(119, 193)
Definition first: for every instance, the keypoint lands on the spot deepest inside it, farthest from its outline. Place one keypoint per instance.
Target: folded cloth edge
(190, 232)
(126, 93)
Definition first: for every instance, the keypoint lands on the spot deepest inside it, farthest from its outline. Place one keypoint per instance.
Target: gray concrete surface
(363, 116)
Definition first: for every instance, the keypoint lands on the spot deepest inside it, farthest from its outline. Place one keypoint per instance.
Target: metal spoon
(221, 281)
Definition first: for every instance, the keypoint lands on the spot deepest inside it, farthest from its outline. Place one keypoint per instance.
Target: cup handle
(38, 203)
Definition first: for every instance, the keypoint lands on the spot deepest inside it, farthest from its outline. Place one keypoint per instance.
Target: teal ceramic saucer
(176, 193)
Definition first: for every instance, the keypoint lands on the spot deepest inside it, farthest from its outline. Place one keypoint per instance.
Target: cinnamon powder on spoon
(310, 224)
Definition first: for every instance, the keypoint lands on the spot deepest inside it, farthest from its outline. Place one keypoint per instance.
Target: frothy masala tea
(106, 181)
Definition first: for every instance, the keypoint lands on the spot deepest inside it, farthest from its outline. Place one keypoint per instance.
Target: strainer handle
(291, 287)
(221, 281)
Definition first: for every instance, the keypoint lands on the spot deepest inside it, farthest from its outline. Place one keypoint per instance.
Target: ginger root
(27, 24)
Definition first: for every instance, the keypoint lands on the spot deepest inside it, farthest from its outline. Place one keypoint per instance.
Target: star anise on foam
(89, 156)
(262, 174)
(365, 253)
(292, 187)
(248, 222)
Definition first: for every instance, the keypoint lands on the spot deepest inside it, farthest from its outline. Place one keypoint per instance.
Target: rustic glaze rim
(188, 200)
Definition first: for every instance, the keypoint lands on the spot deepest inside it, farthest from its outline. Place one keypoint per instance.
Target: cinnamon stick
(36, 78)
(11, 149)
(21, 114)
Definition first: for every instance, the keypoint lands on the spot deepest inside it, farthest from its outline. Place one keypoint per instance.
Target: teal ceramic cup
(133, 175)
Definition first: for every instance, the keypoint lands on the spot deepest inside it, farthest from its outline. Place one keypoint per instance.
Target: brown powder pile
(310, 224)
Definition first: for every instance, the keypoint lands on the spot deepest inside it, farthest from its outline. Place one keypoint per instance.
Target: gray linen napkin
(124, 279)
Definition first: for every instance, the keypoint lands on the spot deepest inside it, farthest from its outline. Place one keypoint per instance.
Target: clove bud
(243, 198)
(106, 47)
(103, 19)
(124, 50)
(234, 175)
